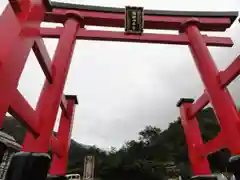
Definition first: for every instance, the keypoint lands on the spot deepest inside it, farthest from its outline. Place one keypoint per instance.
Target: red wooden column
(50, 97)
(59, 164)
(194, 141)
(220, 98)
(15, 47)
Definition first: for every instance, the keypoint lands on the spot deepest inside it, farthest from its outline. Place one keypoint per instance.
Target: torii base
(29, 166)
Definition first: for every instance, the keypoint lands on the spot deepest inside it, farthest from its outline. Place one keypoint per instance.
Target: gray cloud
(123, 87)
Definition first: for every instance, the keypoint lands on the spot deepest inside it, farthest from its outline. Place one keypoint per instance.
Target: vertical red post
(50, 97)
(220, 98)
(14, 49)
(194, 141)
(59, 164)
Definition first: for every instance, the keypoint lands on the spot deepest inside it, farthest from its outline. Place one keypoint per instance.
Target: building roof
(9, 141)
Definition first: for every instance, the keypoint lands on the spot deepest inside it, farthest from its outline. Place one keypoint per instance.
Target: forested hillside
(144, 158)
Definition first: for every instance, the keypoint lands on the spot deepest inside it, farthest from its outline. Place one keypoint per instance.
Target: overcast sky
(119, 96)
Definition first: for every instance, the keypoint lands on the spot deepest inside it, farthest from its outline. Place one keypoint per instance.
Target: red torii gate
(20, 32)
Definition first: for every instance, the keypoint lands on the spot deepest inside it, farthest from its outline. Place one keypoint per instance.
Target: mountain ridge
(140, 159)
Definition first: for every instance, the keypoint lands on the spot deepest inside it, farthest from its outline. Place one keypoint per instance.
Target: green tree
(149, 134)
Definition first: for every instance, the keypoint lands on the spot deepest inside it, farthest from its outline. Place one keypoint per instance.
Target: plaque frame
(129, 30)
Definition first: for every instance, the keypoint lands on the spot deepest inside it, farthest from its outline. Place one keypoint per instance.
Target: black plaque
(134, 20)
